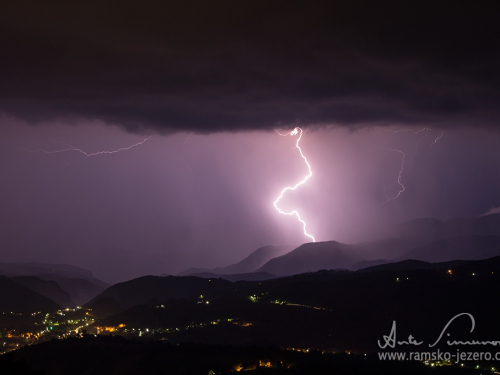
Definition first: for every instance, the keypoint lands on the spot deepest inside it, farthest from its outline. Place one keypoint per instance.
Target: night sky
(204, 85)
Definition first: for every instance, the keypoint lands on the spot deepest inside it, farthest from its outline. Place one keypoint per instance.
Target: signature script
(391, 341)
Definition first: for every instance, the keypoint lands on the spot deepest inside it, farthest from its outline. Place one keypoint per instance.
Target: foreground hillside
(156, 288)
(288, 324)
(326, 309)
(115, 355)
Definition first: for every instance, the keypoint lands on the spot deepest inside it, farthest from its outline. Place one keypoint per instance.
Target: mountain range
(249, 264)
(427, 239)
(323, 309)
(418, 244)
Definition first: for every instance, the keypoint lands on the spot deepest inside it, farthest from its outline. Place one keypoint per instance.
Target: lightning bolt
(73, 148)
(402, 187)
(295, 131)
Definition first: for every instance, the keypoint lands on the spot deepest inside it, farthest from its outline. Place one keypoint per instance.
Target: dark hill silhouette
(46, 288)
(249, 264)
(369, 263)
(457, 248)
(17, 298)
(312, 257)
(143, 289)
(464, 266)
(480, 268)
(329, 309)
(412, 264)
(105, 307)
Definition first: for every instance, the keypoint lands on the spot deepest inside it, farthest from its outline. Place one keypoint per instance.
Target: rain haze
(398, 104)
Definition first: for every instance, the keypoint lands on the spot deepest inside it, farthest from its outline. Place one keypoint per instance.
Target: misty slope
(249, 264)
(17, 298)
(413, 236)
(190, 271)
(254, 261)
(36, 269)
(457, 248)
(252, 276)
(428, 230)
(390, 248)
(312, 257)
(47, 288)
(80, 290)
(144, 289)
(383, 251)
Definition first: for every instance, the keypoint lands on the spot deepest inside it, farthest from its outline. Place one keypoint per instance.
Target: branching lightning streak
(73, 148)
(438, 138)
(402, 187)
(420, 131)
(411, 130)
(295, 131)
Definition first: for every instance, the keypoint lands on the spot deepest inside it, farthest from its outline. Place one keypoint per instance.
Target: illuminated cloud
(225, 66)
(93, 78)
(491, 211)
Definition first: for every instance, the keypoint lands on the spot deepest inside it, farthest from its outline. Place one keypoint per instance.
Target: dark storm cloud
(238, 65)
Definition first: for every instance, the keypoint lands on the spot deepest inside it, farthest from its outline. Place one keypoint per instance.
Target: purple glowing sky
(204, 200)
(212, 81)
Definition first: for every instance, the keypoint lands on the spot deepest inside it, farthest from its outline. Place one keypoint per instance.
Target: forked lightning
(295, 131)
(73, 148)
